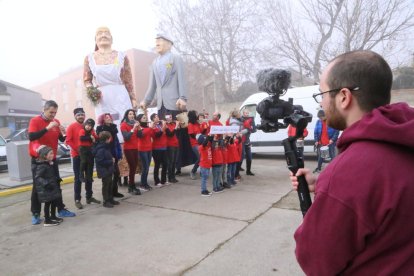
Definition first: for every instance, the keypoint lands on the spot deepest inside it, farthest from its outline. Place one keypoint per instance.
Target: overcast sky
(42, 38)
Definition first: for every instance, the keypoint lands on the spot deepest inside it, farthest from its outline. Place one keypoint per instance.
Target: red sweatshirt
(361, 221)
(132, 143)
(89, 142)
(172, 140)
(217, 155)
(159, 138)
(232, 153)
(50, 138)
(193, 129)
(206, 158)
(72, 138)
(145, 139)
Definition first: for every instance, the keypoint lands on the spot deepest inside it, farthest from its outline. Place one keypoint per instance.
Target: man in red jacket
(361, 220)
(46, 130)
(72, 140)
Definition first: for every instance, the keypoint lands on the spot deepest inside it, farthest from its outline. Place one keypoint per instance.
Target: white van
(271, 142)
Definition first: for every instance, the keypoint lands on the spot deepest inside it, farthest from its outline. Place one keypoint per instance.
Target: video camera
(272, 109)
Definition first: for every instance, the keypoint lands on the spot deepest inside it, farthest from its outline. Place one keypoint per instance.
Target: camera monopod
(295, 162)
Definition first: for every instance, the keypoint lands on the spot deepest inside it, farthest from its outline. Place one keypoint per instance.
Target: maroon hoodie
(362, 219)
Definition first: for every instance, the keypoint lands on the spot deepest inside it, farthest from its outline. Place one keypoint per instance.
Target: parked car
(63, 152)
(3, 156)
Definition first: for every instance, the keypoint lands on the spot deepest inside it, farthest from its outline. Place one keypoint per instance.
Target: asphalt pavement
(247, 230)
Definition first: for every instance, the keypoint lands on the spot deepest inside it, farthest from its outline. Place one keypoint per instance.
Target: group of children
(221, 155)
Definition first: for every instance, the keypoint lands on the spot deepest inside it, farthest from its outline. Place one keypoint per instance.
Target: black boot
(248, 167)
(125, 181)
(132, 189)
(115, 187)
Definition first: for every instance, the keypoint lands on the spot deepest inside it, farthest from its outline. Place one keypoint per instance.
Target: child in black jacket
(105, 167)
(46, 184)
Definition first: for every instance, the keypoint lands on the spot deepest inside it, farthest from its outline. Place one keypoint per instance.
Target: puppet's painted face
(103, 37)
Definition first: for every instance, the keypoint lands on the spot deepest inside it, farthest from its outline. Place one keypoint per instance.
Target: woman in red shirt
(129, 129)
(145, 134)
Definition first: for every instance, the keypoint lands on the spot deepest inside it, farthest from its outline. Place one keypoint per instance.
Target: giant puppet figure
(110, 72)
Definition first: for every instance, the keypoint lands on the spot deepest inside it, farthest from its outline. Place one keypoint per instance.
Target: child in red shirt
(204, 149)
(232, 160)
(217, 164)
(87, 137)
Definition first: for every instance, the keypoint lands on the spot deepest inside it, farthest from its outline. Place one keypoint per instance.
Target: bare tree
(302, 37)
(315, 31)
(221, 35)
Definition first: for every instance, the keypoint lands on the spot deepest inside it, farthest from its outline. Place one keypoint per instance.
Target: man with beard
(360, 222)
(72, 140)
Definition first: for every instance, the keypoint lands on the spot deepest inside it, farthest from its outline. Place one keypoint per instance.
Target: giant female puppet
(109, 71)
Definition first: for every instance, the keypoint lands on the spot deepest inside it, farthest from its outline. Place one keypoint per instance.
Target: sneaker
(192, 175)
(56, 219)
(317, 170)
(114, 202)
(92, 200)
(178, 172)
(108, 204)
(143, 188)
(241, 169)
(36, 219)
(226, 185)
(218, 190)
(148, 187)
(65, 213)
(205, 193)
(173, 181)
(249, 173)
(167, 183)
(159, 185)
(119, 195)
(238, 178)
(50, 222)
(78, 204)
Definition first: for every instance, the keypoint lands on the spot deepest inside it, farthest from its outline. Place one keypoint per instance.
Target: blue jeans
(197, 154)
(145, 157)
(78, 184)
(204, 178)
(216, 170)
(231, 172)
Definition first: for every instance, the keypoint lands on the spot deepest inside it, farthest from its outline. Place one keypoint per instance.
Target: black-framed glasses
(318, 96)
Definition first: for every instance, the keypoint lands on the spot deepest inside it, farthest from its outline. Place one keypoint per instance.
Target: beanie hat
(43, 151)
(201, 138)
(90, 122)
(78, 110)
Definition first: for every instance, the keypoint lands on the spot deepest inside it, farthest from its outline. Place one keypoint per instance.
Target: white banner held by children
(224, 129)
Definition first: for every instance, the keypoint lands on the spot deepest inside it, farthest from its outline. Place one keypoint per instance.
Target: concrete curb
(28, 187)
